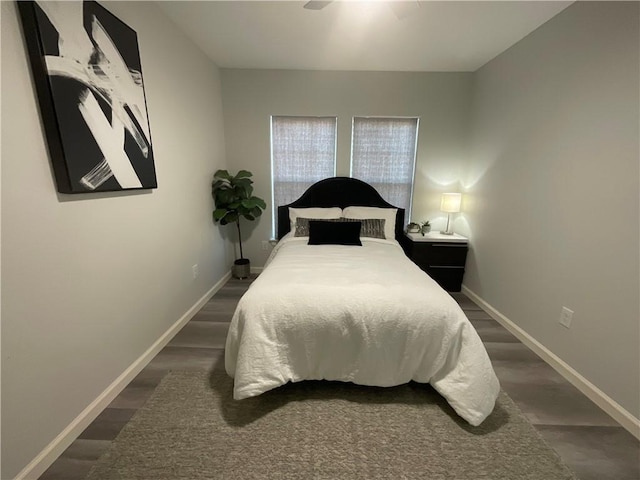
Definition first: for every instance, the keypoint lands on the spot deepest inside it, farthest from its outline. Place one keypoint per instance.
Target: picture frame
(88, 78)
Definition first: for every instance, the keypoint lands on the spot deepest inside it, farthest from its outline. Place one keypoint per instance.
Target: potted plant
(233, 196)
(425, 227)
(413, 227)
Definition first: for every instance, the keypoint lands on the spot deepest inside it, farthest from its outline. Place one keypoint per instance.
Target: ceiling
(413, 35)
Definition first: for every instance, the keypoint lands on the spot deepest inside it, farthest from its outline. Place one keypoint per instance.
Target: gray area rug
(191, 428)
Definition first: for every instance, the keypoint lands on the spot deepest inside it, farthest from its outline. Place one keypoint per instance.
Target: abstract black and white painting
(88, 77)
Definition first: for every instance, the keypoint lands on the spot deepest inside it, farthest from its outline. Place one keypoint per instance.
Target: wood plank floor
(588, 440)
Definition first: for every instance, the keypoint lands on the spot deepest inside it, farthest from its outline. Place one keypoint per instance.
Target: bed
(355, 313)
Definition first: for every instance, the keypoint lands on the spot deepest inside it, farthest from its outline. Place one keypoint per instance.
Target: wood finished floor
(587, 439)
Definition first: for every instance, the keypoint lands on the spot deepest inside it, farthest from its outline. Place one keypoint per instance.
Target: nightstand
(441, 256)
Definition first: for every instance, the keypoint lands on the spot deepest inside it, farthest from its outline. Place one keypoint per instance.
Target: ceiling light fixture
(402, 9)
(317, 4)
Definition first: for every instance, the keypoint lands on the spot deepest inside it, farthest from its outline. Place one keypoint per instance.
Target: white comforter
(365, 315)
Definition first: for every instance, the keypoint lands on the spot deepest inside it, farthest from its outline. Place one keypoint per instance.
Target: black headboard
(337, 192)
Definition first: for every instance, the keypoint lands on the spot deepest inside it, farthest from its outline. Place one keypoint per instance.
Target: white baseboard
(51, 452)
(606, 403)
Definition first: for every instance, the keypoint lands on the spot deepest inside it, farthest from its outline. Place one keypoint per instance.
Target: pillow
(314, 212)
(371, 227)
(388, 214)
(302, 225)
(323, 232)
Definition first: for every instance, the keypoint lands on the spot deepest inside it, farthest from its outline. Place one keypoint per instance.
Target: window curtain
(383, 154)
(303, 151)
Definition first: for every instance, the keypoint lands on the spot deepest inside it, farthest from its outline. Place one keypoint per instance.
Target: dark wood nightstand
(441, 256)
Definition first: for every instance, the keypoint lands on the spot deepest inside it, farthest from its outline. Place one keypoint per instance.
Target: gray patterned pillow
(371, 227)
(302, 225)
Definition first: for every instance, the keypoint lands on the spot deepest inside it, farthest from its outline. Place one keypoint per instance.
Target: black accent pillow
(322, 232)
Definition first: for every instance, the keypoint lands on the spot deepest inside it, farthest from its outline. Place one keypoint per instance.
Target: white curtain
(303, 151)
(383, 154)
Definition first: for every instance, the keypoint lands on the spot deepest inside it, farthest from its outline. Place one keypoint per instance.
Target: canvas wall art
(88, 77)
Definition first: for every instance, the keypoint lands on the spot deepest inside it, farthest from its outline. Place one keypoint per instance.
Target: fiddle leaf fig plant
(233, 197)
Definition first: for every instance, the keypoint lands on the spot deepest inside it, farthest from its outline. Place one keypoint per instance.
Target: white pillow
(388, 214)
(314, 212)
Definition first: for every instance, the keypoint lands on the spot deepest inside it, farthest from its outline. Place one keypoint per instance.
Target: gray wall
(441, 100)
(552, 191)
(91, 282)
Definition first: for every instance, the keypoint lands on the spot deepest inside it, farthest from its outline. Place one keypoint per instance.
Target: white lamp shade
(450, 202)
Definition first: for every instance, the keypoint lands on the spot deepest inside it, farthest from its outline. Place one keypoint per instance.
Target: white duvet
(365, 315)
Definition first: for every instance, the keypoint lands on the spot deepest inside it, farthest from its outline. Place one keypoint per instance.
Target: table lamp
(450, 203)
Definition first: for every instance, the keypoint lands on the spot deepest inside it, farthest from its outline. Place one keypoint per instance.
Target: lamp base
(446, 231)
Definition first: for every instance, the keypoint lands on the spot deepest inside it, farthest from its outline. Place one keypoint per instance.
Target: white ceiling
(358, 35)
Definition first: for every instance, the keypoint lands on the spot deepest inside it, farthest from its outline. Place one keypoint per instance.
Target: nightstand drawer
(440, 254)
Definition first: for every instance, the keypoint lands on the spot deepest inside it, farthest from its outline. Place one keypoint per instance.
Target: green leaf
(244, 184)
(239, 192)
(217, 185)
(226, 196)
(259, 202)
(249, 203)
(249, 217)
(243, 174)
(219, 213)
(245, 193)
(231, 217)
(256, 212)
(222, 175)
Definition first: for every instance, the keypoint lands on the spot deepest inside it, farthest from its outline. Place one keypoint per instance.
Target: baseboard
(257, 269)
(51, 452)
(606, 403)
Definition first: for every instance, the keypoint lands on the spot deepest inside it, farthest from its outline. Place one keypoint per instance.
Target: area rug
(191, 428)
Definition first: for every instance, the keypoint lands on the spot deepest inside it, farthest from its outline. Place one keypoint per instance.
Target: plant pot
(241, 268)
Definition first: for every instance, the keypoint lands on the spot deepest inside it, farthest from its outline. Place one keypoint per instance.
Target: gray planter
(241, 268)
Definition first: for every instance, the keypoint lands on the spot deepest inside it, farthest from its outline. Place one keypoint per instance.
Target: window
(383, 154)
(303, 151)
